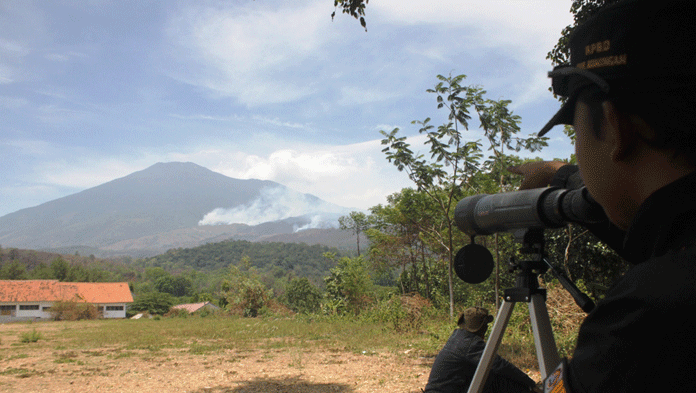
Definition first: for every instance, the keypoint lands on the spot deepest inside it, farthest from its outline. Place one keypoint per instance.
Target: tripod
(527, 290)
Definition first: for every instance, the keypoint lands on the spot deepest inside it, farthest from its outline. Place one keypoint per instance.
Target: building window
(114, 308)
(28, 307)
(7, 310)
(46, 308)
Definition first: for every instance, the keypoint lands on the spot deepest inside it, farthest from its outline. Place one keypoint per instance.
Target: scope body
(549, 207)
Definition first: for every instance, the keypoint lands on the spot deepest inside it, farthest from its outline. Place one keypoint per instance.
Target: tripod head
(527, 271)
(533, 244)
(474, 263)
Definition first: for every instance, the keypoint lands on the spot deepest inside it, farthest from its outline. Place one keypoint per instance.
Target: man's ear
(620, 132)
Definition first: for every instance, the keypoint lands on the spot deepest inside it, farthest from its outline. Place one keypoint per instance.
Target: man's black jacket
(455, 365)
(641, 337)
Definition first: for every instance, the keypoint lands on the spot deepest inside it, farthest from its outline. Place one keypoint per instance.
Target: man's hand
(536, 174)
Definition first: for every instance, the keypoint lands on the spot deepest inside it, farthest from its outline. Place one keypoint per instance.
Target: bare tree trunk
(497, 275)
(451, 272)
(426, 267)
(566, 256)
(358, 237)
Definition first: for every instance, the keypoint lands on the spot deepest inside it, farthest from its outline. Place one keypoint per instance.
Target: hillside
(273, 258)
(169, 205)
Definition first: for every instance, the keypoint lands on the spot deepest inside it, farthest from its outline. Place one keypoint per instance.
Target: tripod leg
(494, 340)
(547, 352)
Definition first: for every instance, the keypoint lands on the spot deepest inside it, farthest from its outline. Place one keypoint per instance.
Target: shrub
(404, 313)
(302, 296)
(153, 303)
(74, 311)
(245, 294)
(177, 313)
(31, 337)
(350, 283)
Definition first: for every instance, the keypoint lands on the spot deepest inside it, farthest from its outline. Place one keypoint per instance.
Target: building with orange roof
(32, 299)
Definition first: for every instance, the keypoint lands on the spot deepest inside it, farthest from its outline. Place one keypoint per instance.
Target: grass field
(235, 354)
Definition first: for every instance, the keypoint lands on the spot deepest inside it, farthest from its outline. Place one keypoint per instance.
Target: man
(630, 92)
(455, 365)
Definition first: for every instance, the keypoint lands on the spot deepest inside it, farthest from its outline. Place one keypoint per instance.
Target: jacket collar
(666, 220)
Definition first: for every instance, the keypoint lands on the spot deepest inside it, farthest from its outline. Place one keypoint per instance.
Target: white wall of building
(41, 310)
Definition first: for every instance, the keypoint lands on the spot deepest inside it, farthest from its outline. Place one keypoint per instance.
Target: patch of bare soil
(35, 367)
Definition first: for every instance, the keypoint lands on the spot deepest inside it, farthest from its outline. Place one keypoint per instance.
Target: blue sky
(94, 90)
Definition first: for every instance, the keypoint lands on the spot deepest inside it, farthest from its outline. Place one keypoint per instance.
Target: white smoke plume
(319, 221)
(274, 204)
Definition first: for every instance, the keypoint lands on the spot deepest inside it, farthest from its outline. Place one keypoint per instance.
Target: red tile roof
(53, 290)
(193, 307)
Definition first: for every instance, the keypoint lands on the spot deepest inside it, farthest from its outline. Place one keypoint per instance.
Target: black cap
(629, 47)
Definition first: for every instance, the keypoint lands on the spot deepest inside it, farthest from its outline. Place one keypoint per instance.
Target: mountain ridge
(146, 209)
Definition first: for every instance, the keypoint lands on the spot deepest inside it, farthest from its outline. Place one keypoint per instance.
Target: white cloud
(11, 102)
(351, 95)
(248, 52)
(523, 30)
(532, 16)
(279, 123)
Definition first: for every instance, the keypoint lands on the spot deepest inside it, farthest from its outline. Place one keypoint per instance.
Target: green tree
(398, 239)
(303, 296)
(350, 284)
(77, 273)
(42, 272)
(453, 162)
(354, 8)
(156, 303)
(13, 270)
(174, 285)
(244, 292)
(357, 222)
(153, 273)
(60, 268)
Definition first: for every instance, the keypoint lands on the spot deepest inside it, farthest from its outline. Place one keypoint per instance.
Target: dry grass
(233, 354)
(203, 355)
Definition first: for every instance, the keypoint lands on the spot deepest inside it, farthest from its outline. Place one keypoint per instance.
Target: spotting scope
(549, 207)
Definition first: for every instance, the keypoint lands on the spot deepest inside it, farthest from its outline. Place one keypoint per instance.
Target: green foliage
(401, 313)
(302, 296)
(156, 303)
(349, 286)
(30, 337)
(453, 163)
(354, 8)
(581, 10)
(244, 293)
(177, 313)
(296, 260)
(357, 222)
(13, 270)
(60, 269)
(585, 258)
(174, 285)
(74, 311)
(41, 272)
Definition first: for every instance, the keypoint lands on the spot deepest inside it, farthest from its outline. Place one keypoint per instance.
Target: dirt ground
(37, 367)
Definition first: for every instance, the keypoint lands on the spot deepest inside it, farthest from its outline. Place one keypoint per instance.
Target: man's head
(631, 97)
(475, 320)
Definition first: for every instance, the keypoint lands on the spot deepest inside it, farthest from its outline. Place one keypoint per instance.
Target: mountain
(168, 205)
